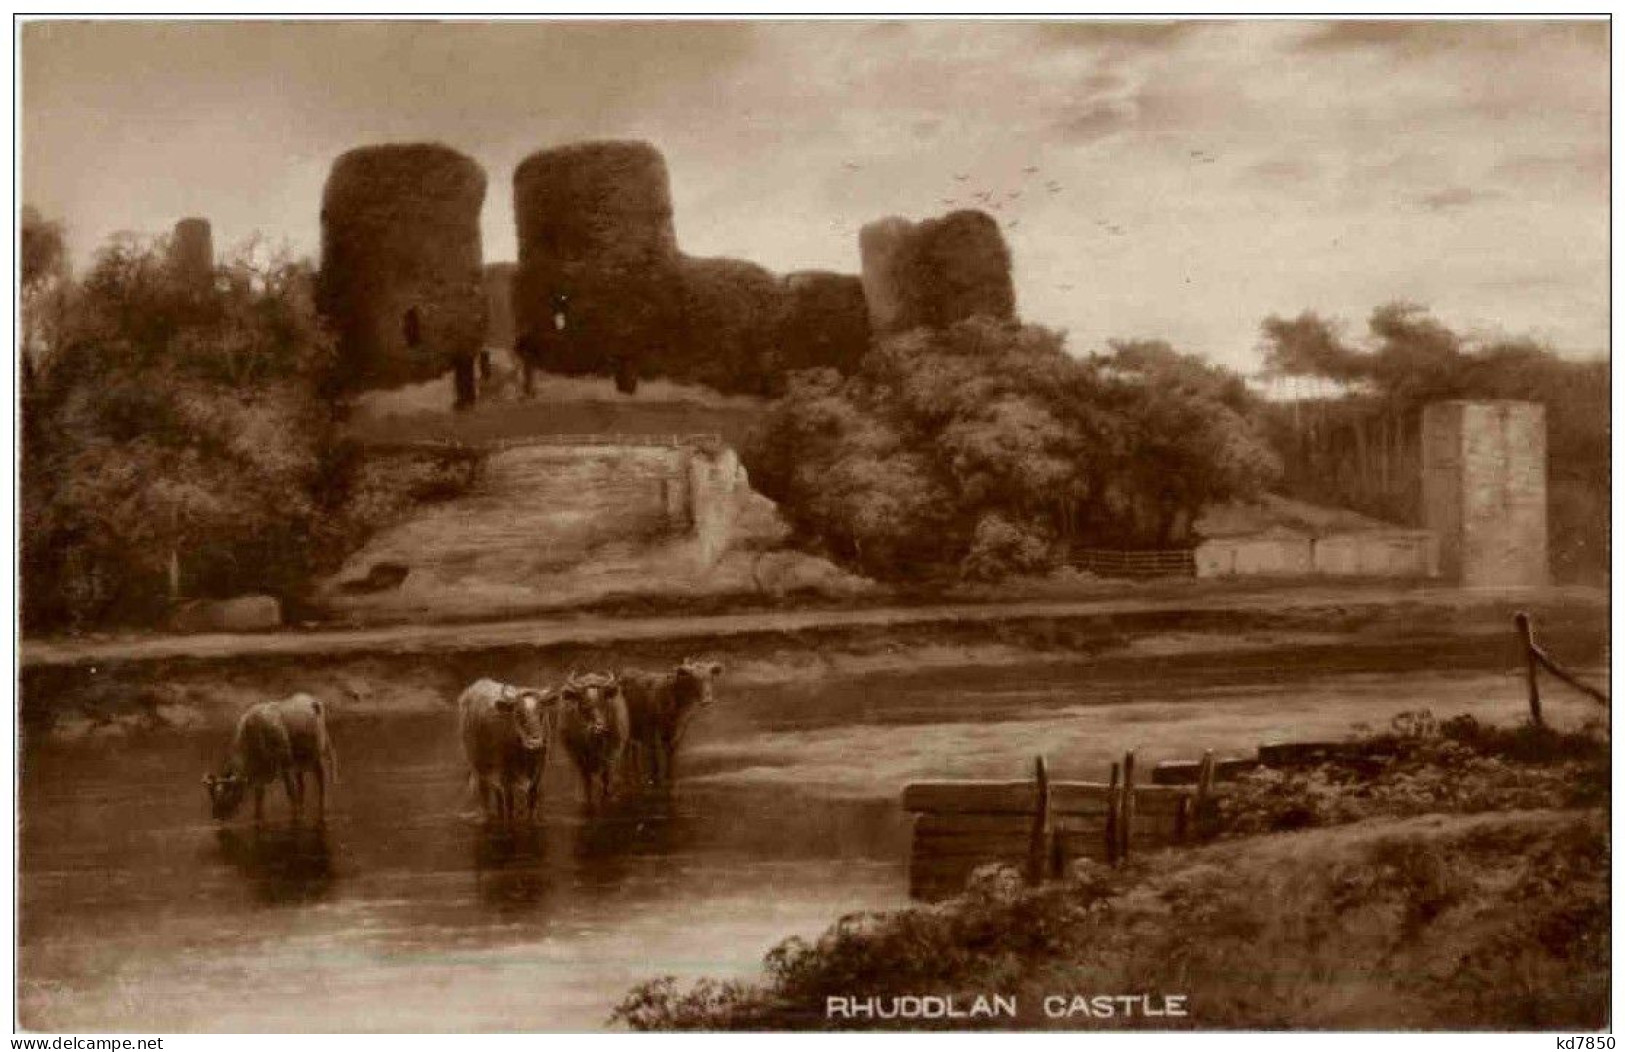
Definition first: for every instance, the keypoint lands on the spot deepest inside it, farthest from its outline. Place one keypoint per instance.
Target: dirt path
(540, 632)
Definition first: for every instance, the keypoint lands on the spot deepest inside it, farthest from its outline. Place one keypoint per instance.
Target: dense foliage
(183, 438)
(1361, 448)
(984, 449)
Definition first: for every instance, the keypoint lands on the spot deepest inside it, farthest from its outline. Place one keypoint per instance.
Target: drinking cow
(276, 740)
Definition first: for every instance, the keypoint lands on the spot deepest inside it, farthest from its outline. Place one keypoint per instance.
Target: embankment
(118, 690)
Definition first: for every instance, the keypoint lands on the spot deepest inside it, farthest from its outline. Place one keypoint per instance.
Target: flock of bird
(1003, 203)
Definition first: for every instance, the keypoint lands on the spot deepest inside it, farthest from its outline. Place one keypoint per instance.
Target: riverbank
(1451, 876)
(1190, 598)
(90, 688)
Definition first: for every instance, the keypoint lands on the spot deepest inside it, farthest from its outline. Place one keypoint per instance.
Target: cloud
(1096, 120)
(1452, 198)
(1420, 39)
(1283, 170)
(1118, 35)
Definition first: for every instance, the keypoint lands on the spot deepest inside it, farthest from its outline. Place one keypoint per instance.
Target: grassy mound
(1495, 921)
(1461, 881)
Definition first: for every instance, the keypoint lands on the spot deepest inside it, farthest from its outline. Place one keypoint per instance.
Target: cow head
(590, 695)
(694, 680)
(226, 793)
(530, 710)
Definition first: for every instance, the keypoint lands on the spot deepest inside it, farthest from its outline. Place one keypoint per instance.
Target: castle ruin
(401, 280)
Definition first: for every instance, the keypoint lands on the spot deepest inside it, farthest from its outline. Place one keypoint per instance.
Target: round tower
(401, 280)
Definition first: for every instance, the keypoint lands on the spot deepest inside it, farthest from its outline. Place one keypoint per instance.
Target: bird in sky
(849, 166)
(960, 178)
(1031, 169)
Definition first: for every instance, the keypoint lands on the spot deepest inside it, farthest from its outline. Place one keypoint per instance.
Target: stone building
(191, 252)
(598, 289)
(1484, 491)
(401, 280)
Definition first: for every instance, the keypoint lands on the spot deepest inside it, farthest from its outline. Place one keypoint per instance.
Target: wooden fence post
(1204, 792)
(1113, 808)
(1182, 819)
(1526, 631)
(1126, 827)
(1038, 848)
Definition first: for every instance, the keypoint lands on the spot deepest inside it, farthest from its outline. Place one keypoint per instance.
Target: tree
(984, 448)
(1362, 447)
(42, 260)
(175, 427)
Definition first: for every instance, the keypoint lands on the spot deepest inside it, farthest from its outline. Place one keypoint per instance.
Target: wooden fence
(1535, 659)
(1179, 562)
(432, 445)
(1041, 825)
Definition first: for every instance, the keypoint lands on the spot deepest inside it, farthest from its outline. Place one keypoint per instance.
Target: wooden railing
(433, 445)
(1041, 824)
(1535, 659)
(1178, 562)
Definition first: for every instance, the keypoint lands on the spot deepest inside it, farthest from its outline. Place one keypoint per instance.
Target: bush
(988, 438)
(175, 422)
(1001, 548)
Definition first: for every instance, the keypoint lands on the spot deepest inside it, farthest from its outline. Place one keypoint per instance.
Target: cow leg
(321, 793)
(294, 785)
(533, 795)
(259, 803)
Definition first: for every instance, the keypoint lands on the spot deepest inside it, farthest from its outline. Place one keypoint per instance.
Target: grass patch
(1434, 876)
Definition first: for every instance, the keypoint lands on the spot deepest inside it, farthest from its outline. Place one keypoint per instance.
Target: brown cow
(594, 731)
(276, 739)
(506, 733)
(659, 706)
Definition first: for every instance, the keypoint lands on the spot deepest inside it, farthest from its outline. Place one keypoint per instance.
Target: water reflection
(283, 865)
(509, 866)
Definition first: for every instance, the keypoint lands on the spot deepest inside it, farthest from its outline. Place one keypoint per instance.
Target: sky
(1205, 174)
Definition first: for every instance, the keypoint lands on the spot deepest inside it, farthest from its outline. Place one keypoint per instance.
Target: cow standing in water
(506, 733)
(594, 731)
(659, 706)
(276, 740)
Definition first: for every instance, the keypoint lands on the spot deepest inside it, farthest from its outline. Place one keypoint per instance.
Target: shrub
(174, 421)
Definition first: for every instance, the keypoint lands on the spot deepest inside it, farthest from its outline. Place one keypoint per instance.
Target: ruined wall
(731, 312)
(598, 289)
(1370, 553)
(1484, 491)
(936, 272)
(825, 322)
(499, 326)
(401, 279)
(191, 252)
(880, 243)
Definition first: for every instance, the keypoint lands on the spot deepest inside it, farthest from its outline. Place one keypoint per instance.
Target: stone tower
(191, 252)
(401, 280)
(598, 288)
(1484, 491)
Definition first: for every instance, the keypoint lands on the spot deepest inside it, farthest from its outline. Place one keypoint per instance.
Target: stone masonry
(1484, 491)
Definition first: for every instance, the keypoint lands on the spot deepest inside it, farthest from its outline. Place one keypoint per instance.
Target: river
(404, 914)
